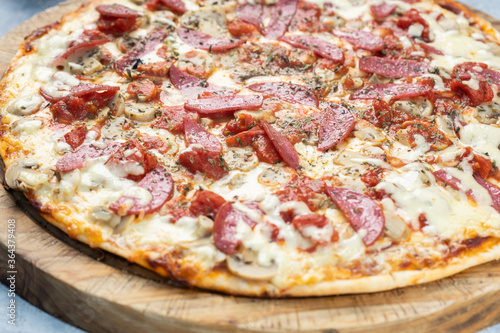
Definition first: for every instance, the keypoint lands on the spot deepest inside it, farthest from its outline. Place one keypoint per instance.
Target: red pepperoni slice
(393, 68)
(198, 159)
(196, 134)
(337, 124)
(281, 18)
(318, 46)
(265, 151)
(118, 11)
(361, 39)
(395, 90)
(76, 160)
(476, 96)
(144, 46)
(250, 13)
(224, 105)
(448, 179)
(244, 139)
(89, 39)
(363, 213)
(225, 224)
(158, 183)
(132, 161)
(116, 19)
(206, 42)
(176, 6)
(191, 86)
(206, 203)
(383, 10)
(493, 190)
(76, 136)
(172, 119)
(292, 93)
(481, 71)
(282, 145)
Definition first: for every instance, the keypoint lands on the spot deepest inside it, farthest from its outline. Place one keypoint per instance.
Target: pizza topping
(244, 139)
(22, 174)
(250, 12)
(364, 214)
(238, 28)
(144, 91)
(282, 145)
(144, 46)
(83, 100)
(25, 105)
(394, 90)
(116, 19)
(381, 11)
(159, 188)
(469, 70)
(361, 39)
(483, 93)
(192, 86)
(203, 41)
(176, 6)
(265, 150)
(493, 190)
(412, 17)
(223, 105)
(417, 131)
(89, 39)
(246, 265)
(196, 134)
(281, 17)
(206, 203)
(76, 136)
(318, 46)
(131, 161)
(393, 68)
(337, 124)
(292, 93)
(225, 224)
(303, 189)
(76, 160)
(172, 119)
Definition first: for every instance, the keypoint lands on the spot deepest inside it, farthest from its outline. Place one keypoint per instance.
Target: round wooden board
(100, 292)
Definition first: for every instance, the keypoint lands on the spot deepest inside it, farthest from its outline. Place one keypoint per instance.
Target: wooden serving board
(100, 292)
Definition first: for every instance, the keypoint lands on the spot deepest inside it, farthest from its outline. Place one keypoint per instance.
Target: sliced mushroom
(205, 226)
(417, 108)
(123, 223)
(88, 66)
(241, 159)
(117, 105)
(26, 125)
(101, 214)
(140, 112)
(273, 176)
(395, 227)
(25, 105)
(237, 181)
(22, 175)
(246, 265)
(60, 85)
(210, 20)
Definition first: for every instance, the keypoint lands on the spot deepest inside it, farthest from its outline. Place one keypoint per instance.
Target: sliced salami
(361, 39)
(292, 93)
(224, 105)
(364, 214)
(282, 145)
(203, 41)
(320, 47)
(281, 18)
(394, 90)
(393, 68)
(337, 124)
(76, 160)
(160, 186)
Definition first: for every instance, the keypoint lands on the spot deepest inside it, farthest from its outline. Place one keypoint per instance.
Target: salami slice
(467, 70)
(281, 18)
(394, 90)
(196, 134)
(493, 190)
(143, 47)
(292, 93)
(337, 124)
(448, 179)
(361, 211)
(250, 13)
(282, 145)
(76, 160)
(203, 41)
(206, 203)
(382, 10)
(225, 224)
(191, 86)
(393, 68)
(318, 46)
(158, 182)
(223, 105)
(89, 39)
(361, 39)
(177, 6)
(117, 11)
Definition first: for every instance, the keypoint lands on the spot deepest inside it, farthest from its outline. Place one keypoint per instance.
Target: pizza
(275, 148)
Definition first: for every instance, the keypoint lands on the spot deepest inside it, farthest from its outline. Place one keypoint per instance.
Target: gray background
(29, 318)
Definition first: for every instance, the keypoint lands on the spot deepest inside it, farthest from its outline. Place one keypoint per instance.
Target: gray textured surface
(29, 318)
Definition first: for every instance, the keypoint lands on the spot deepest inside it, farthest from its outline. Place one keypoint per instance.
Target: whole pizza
(264, 148)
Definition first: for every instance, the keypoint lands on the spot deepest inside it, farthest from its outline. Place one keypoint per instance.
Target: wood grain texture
(100, 292)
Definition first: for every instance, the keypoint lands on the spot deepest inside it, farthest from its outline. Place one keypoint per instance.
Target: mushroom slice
(104, 215)
(21, 175)
(140, 112)
(245, 265)
(241, 159)
(210, 20)
(25, 105)
(26, 125)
